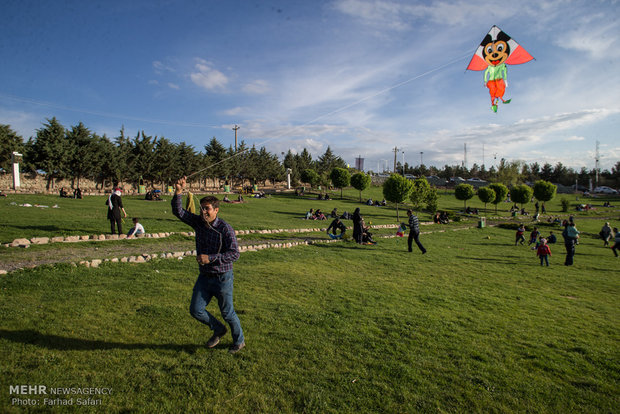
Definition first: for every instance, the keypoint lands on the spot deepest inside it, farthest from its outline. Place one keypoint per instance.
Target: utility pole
(596, 165)
(403, 163)
(421, 159)
(395, 153)
(235, 128)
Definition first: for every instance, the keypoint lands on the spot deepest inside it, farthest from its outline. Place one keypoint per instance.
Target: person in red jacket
(543, 251)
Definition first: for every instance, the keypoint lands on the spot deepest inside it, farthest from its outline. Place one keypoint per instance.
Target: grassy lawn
(475, 325)
(88, 216)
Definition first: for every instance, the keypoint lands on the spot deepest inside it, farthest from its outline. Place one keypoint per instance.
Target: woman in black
(358, 229)
(115, 206)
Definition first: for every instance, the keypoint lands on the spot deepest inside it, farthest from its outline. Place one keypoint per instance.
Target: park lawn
(475, 325)
(282, 211)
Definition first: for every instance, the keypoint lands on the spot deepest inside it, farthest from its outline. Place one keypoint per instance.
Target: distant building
(359, 164)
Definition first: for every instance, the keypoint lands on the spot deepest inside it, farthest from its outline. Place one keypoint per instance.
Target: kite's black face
(496, 52)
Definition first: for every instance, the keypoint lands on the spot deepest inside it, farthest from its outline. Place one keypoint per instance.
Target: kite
(495, 52)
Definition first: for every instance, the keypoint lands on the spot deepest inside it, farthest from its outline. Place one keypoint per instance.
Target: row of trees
(496, 193)
(78, 153)
(513, 172)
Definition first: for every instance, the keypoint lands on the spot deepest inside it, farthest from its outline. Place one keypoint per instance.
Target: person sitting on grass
(318, 215)
(551, 239)
(136, 230)
(336, 225)
(310, 214)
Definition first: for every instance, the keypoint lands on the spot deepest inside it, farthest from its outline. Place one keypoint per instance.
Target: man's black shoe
(236, 348)
(215, 339)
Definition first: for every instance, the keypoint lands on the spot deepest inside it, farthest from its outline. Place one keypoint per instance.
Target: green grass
(88, 216)
(475, 325)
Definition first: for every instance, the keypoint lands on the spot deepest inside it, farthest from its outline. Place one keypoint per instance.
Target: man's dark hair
(212, 200)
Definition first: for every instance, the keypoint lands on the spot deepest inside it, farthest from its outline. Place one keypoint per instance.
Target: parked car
(476, 180)
(605, 190)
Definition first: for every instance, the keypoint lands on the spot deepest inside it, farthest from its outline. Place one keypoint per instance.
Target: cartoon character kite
(495, 52)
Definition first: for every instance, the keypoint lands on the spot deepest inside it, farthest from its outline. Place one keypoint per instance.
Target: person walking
(543, 251)
(616, 245)
(115, 207)
(605, 234)
(216, 250)
(519, 236)
(414, 232)
(570, 234)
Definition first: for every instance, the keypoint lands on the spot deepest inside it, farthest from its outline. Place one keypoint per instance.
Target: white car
(605, 190)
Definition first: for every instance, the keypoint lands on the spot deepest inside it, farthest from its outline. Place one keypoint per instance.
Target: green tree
(521, 194)
(290, 162)
(486, 195)
(464, 192)
(431, 200)
(328, 161)
(340, 178)
(310, 176)
(501, 191)
(84, 151)
(51, 151)
(396, 189)
(167, 162)
(217, 154)
(360, 182)
(508, 173)
(142, 158)
(544, 190)
(420, 192)
(10, 142)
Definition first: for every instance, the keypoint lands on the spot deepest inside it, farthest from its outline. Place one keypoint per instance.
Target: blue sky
(362, 76)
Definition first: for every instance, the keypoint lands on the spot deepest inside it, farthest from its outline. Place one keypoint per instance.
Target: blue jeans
(220, 286)
(545, 258)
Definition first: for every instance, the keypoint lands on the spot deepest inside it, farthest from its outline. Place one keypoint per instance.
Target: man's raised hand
(179, 186)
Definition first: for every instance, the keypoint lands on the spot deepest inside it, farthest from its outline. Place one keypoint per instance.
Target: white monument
(16, 157)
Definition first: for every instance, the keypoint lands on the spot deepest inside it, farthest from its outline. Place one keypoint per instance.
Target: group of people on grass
(217, 249)
(570, 235)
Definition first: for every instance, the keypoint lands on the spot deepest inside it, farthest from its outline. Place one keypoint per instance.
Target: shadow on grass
(56, 342)
(491, 259)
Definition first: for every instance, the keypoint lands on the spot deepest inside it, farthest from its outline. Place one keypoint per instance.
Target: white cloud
(574, 138)
(153, 82)
(235, 111)
(160, 67)
(599, 41)
(173, 86)
(207, 77)
(258, 87)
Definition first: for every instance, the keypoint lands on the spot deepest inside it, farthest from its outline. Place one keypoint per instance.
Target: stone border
(25, 243)
(248, 248)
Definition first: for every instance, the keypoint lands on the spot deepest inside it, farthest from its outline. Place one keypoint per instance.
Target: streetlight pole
(403, 163)
(421, 160)
(236, 128)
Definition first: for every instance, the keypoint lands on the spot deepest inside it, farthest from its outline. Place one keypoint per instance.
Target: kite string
(335, 111)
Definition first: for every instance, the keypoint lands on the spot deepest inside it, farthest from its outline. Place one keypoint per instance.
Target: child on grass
(519, 235)
(543, 251)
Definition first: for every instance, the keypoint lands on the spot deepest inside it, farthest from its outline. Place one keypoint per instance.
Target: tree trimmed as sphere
(521, 194)
(464, 192)
(486, 195)
(360, 182)
(340, 178)
(396, 189)
(544, 190)
(501, 191)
